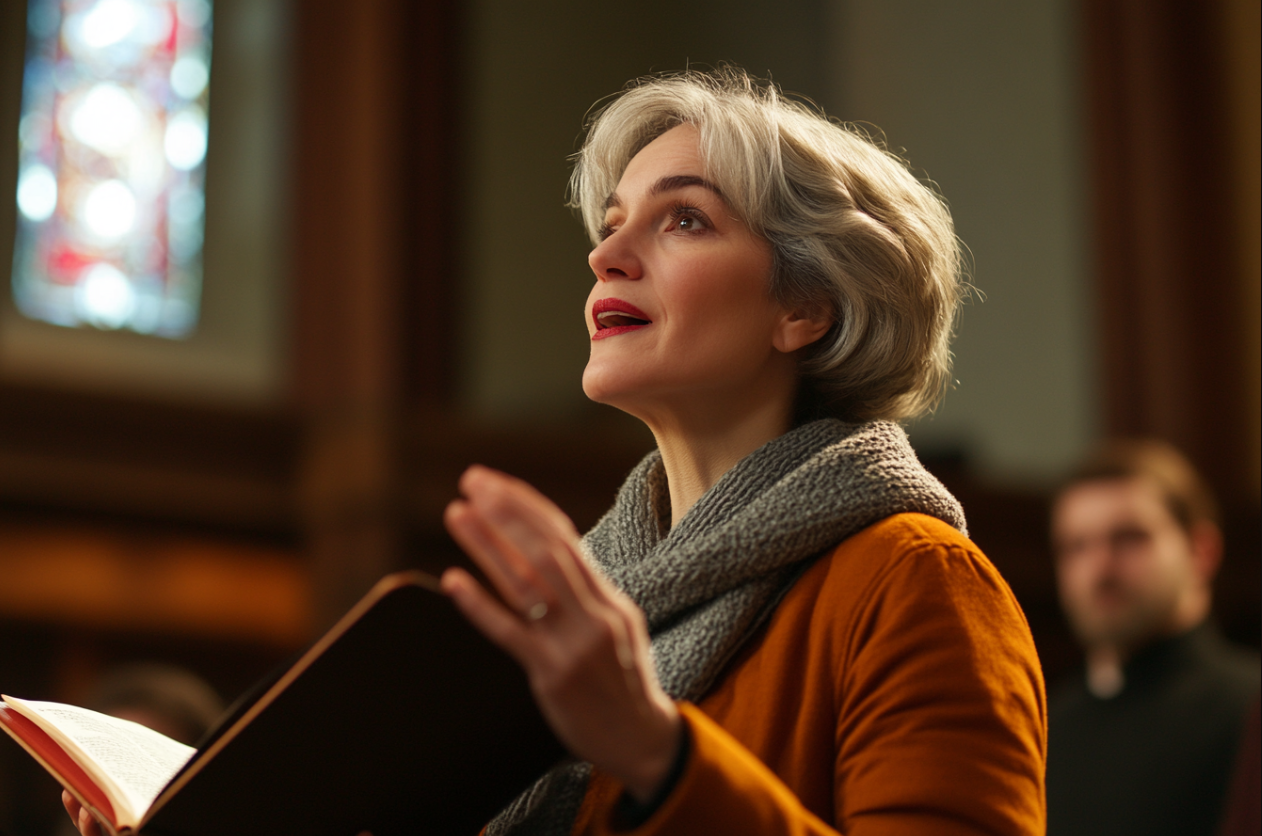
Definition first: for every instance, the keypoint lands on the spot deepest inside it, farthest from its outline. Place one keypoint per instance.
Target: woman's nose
(615, 258)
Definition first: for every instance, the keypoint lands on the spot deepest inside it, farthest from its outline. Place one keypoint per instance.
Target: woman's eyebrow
(679, 181)
(668, 184)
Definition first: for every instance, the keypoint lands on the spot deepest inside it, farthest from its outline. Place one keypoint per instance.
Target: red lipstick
(614, 316)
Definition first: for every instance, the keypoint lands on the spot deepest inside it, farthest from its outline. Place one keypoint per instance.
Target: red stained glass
(111, 173)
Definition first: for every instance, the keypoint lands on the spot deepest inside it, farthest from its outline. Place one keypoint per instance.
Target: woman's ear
(799, 328)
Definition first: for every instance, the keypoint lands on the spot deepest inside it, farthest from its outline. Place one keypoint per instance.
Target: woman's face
(681, 315)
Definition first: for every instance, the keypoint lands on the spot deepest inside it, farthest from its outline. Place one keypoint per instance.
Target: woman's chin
(604, 386)
(598, 389)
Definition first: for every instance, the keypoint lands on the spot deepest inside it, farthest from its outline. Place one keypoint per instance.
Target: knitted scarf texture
(707, 584)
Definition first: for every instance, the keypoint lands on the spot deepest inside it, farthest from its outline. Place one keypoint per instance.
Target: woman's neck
(698, 447)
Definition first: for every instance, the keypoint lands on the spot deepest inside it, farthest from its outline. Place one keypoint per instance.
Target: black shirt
(1156, 758)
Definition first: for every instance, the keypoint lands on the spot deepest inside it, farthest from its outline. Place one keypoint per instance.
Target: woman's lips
(614, 316)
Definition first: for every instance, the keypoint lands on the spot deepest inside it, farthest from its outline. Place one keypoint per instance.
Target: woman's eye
(687, 219)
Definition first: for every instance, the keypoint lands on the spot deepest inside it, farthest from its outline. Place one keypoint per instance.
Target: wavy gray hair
(852, 231)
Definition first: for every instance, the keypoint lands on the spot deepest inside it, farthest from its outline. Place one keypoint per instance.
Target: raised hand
(583, 644)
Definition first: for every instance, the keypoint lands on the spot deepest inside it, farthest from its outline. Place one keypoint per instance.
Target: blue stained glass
(112, 161)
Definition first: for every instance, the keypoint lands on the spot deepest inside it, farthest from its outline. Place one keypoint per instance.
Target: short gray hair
(852, 231)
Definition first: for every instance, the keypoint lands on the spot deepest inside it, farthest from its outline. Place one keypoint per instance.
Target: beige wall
(985, 98)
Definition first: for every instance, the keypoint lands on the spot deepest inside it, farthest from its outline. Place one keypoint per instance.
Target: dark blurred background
(393, 290)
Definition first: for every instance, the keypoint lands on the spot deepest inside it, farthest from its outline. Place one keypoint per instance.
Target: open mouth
(614, 319)
(613, 316)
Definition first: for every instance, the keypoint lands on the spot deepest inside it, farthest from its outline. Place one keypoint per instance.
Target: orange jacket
(895, 690)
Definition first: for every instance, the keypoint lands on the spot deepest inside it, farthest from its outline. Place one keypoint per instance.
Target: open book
(117, 766)
(401, 719)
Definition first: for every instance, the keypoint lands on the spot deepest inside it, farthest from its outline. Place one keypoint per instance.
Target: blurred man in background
(1143, 740)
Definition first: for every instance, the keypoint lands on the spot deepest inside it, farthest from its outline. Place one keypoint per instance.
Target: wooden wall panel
(1171, 277)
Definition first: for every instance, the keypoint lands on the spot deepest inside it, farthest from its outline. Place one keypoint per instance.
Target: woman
(780, 626)
(828, 650)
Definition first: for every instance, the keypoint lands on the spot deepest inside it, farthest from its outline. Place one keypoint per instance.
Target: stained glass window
(112, 164)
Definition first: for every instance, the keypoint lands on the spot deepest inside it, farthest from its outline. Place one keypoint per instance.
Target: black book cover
(403, 719)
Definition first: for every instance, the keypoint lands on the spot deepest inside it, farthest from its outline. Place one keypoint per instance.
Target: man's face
(1124, 566)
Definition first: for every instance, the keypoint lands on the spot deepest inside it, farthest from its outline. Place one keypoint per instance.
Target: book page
(138, 761)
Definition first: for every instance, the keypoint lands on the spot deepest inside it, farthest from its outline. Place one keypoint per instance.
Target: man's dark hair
(1185, 493)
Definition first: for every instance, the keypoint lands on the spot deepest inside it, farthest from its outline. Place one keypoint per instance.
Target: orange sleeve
(932, 707)
(724, 789)
(942, 720)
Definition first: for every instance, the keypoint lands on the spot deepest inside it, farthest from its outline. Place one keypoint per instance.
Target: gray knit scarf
(708, 583)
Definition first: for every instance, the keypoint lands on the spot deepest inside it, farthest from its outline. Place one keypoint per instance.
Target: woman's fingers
(79, 815)
(520, 549)
(509, 572)
(528, 548)
(533, 528)
(87, 824)
(524, 492)
(497, 623)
